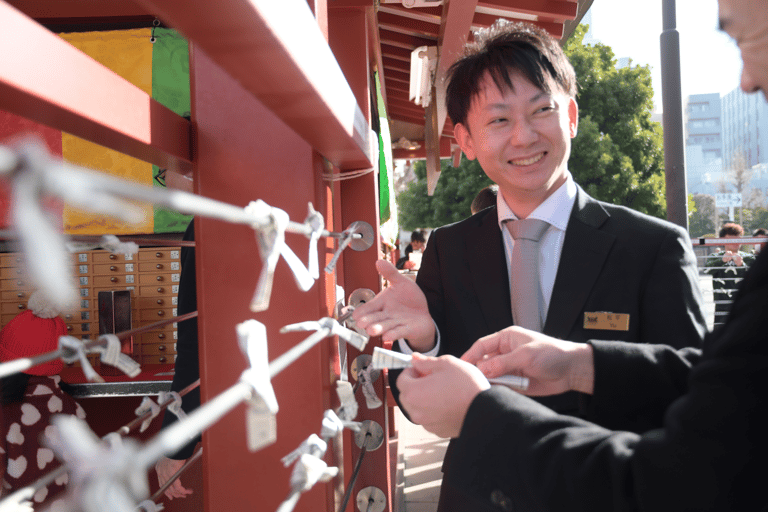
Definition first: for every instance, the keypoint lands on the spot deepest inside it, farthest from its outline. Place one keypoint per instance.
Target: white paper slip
(383, 358)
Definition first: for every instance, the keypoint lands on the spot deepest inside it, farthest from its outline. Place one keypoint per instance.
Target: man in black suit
(706, 449)
(605, 271)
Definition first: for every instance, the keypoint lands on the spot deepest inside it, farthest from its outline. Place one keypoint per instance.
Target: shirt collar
(556, 209)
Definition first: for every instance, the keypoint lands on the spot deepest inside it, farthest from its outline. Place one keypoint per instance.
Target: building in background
(704, 143)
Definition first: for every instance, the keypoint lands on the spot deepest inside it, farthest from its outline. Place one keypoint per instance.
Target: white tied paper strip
(260, 417)
(147, 405)
(174, 407)
(312, 445)
(333, 425)
(108, 242)
(112, 356)
(371, 398)
(73, 349)
(383, 358)
(11, 504)
(348, 408)
(150, 506)
(271, 239)
(316, 223)
(99, 472)
(308, 471)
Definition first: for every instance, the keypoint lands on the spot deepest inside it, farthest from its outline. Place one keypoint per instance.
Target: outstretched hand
(399, 311)
(553, 366)
(166, 468)
(437, 392)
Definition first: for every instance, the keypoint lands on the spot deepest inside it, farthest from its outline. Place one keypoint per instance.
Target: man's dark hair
(731, 228)
(484, 199)
(418, 236)
(499, 50)
(760, 232)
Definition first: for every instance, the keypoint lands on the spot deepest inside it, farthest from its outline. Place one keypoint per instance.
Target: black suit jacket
(706, 452)
(613, 260)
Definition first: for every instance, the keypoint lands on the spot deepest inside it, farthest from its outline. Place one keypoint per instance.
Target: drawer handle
(20, 294)
(113, 256)
(113, 268)
(21, 306)
(163, 359)
(68, 317)
(159, 254)
(19, 272)
(160, 301)
(69, 328)
(161, 313)
(159, 278)
(161, 348)
(160, 290)
(113, 279)
(161, 336)
(159, 266)
(18, 260)
(19, 283)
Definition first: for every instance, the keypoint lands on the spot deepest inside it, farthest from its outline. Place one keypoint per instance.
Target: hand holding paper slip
(383, 358)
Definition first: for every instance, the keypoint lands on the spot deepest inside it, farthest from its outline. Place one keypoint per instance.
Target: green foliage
(617, 155)
(703, 216)
(453, 196)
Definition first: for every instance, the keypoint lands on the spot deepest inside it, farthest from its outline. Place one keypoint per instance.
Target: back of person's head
(418, 236)
(484, 199)
(33, 332)
(760, 232)
(500, 50)
(731, 229)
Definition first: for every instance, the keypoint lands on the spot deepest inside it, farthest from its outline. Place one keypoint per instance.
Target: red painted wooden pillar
(244, 153)
(349, 39)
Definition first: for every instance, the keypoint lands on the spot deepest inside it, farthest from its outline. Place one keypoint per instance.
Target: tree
(617, 155)
(450, 203)
(703, 219)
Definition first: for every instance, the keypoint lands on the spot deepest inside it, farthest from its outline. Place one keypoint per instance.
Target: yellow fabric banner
(129, 54)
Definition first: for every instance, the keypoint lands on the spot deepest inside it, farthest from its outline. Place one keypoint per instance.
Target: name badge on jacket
(606, 321)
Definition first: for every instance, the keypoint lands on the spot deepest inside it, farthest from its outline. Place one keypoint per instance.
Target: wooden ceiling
(442, 24)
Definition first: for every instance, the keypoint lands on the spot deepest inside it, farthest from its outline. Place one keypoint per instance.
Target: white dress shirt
(556, 210)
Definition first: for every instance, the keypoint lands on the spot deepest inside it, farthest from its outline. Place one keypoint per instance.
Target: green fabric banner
(170, 86)
(384, 145)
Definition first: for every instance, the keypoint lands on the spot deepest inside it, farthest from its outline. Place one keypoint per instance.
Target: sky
(709, 59)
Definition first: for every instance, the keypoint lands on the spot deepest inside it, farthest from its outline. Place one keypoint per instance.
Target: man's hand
(166, 468)
(399, 311)
(436, 392)
(553, 366)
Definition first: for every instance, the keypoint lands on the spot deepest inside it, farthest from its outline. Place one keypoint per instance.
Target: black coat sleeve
(708, 453)
(187, 368)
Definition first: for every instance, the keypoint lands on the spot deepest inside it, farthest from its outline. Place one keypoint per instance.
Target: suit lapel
(585, 250)
(488, 268)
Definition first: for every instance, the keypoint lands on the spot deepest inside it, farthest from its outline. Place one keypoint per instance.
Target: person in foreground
(708, 449)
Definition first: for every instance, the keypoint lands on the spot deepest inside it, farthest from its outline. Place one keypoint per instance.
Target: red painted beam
(55, 10)
(406, 25)
(298, 78)
(556, 9)
(404, 41)
(486, 20)
(396, 64)
(421, 154)
(47, 80)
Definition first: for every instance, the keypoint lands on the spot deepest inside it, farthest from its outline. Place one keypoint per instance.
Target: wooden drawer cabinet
(152, 276)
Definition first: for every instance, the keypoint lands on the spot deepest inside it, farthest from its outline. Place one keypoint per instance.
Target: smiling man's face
(522, 139)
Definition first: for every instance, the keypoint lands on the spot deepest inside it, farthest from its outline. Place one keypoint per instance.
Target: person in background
(418, 241)
(760, 232)
(727, 268)
(30, 399)
(705, 449)
(186, 371)
(484, 199)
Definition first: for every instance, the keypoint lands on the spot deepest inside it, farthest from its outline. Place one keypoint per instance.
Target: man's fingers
(388, 271)
(487, 345)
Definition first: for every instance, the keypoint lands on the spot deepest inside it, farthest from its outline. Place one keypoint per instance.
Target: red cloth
(23, 423)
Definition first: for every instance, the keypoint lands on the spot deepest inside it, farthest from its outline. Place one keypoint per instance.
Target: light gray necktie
(525, 289)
